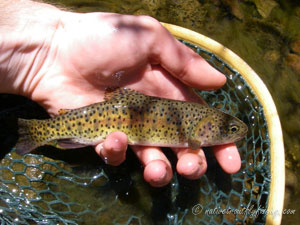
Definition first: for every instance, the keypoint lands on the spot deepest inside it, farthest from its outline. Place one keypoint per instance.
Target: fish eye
(234, 128)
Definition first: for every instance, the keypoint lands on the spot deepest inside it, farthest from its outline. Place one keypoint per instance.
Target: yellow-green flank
(145, 119)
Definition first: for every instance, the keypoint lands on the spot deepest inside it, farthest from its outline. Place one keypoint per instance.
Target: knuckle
(149, 22)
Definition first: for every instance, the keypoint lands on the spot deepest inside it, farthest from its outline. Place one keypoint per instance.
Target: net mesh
(76, 187)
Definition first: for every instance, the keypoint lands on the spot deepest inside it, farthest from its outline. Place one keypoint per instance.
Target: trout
(146, 120)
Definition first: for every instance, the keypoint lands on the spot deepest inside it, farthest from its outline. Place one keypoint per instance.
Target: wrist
(26, 31)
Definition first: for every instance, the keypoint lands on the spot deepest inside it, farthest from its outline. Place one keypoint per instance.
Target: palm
(82, 69)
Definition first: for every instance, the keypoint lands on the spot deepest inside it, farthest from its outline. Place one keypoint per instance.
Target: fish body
(146, 120)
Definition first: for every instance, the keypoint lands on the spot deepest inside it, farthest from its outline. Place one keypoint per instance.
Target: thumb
(184, 64)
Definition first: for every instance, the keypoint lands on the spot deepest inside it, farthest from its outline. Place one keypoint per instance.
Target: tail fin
(26, 142)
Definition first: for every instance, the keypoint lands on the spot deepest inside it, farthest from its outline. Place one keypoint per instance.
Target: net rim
(276, 195)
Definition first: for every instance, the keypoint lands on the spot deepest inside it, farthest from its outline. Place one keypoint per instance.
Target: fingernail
(117, 146)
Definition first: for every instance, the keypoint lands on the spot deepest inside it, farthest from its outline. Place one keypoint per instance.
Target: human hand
(90, 52)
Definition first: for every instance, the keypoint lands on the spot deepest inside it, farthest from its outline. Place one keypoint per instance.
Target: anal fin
(68, 144)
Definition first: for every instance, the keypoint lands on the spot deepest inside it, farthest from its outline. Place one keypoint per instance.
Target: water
(268, 43)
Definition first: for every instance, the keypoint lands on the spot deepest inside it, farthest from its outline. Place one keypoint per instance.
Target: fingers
(183, 63)
(113, 149)
(157, 168)
(228, 157)
(157, 171)
(191, 164)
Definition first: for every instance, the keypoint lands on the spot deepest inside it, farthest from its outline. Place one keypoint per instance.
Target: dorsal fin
(116, 92)
(63, 111)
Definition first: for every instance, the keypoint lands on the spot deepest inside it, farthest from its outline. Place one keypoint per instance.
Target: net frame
(276, 195)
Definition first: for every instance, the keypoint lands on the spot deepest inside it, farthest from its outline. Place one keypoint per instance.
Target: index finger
(228, 157)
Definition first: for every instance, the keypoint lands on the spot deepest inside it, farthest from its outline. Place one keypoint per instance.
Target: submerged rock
(295, 45)
(235, 8)
(291, 184)
(272, 55)
(264, 7)
(293, 60)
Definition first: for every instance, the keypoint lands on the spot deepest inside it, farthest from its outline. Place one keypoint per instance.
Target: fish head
(216, 130)
(231, 129)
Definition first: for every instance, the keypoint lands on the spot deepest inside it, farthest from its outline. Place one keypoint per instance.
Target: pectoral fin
(200, 133)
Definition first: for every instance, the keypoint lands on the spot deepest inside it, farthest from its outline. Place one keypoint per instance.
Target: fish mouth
(243, 134)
